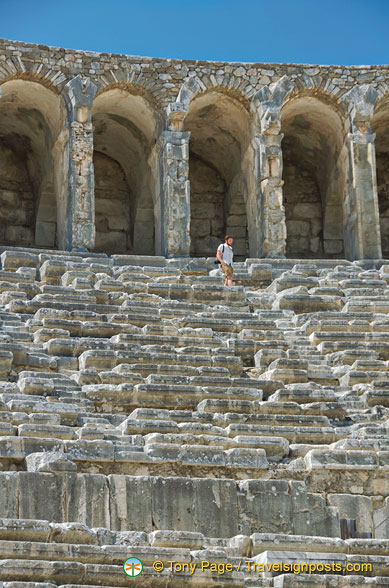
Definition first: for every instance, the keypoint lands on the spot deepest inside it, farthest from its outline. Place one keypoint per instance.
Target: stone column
(362, 223)
(271, 223)
(272, 212)
(170, 161)
(79, 234)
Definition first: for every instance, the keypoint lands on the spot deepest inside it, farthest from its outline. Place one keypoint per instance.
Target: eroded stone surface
(148, 156)
(147, 409)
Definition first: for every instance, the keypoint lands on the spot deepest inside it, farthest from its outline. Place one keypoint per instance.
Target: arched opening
(31, 118)
(314, 173)
(380, 126)
(219, 127)
(124, 134)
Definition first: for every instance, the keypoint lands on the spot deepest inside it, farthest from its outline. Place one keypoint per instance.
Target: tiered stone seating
(146, 410)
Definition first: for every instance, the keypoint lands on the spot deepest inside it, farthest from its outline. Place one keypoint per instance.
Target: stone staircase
(147, 411)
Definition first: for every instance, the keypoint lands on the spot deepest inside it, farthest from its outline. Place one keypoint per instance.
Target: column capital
(360, 101)
(79, 93)
(269, 101)
(361, 136)
(175, 114)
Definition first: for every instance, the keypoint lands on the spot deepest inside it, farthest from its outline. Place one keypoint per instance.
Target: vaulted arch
(314, 173)
(380, 126)
(32, 118)
(219, 171)
(125, 131)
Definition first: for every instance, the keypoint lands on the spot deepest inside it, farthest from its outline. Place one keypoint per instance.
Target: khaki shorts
(227, 270)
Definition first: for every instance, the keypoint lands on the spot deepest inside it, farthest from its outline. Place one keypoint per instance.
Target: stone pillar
(271, 223)
(79, 234)
(362, 223)
(170, 161)
(272, 212)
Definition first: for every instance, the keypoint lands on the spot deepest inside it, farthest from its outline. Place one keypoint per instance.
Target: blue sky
(297, 31)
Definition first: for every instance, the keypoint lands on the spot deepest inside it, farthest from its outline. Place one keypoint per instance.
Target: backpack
(217, 262)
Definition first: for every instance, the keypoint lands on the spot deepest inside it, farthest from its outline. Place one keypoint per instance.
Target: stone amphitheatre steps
(146, 410)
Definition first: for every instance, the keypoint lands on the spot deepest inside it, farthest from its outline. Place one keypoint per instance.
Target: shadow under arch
(380, 126)
(314, 174)
(220, 153)
(126, 125)
(32, 119)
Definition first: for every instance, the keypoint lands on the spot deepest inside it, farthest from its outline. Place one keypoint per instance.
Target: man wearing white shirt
(225, 256)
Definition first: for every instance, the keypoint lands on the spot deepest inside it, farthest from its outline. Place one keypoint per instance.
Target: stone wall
(217, 508)
(208, 217)
(314, 179)
(380, 126)
(303, 211)
(114, 213)
(16, 199)
(215, 212)
(383, 198)
(231, 118)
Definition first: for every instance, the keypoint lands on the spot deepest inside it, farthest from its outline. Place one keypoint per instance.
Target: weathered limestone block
(130, 500)
(7, 429)
(82, 449)
(36, 386)
(340, 460)
(266, 541)
(50, 462)
(246, 458)
(201, 455)
(166, 538)
(300, 301)
(51, 270)
(214, 405)
(13, 259)
(72, 533)
(381, 521)
(24, 530)
(17, 448)
(205, 506)
(63, 497)
(296, 558)
(265, 507)
(289, 371)
(87, 500)
(68, 412)
(41, 495)
(276, 448)
(358, 508)
(98, 358)
(21, 571)
(270, 506)
(6, 359)
(302, 395)
(290, 280)
(311, 515)
(133, 426)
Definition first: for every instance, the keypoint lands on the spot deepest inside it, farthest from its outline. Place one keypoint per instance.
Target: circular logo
(133, 566)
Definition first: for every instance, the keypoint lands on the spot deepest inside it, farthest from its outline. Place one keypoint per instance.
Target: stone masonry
(146, 410)
(283, 156)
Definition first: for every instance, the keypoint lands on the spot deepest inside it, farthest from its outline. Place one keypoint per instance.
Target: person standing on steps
(225, 256)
